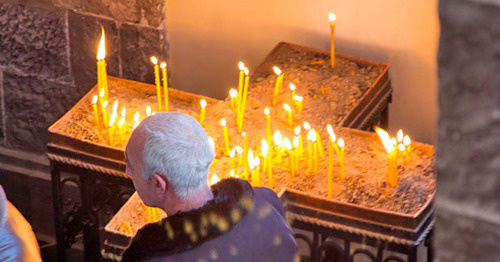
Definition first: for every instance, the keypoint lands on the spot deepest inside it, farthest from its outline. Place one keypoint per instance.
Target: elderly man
(168, 157)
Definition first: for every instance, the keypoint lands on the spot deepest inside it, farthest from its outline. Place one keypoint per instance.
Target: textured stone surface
(84, 36)
(137, 45)
(33, 41)
(32, 106)
(469, 126)
(462, 238)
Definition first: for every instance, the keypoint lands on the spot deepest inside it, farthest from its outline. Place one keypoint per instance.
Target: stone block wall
(48, 57)
(468, 155)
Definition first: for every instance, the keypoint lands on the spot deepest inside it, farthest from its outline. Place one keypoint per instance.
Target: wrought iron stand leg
(347, 250)
(56, 195)
(430, 249)
(90, 225)
(412, 254)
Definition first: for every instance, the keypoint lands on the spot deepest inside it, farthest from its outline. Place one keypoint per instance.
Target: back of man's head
(177, 147)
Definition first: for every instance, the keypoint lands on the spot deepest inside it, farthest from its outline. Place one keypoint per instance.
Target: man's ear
(160, 183)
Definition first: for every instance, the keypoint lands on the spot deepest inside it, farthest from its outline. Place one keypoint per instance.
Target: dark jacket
(240, 223)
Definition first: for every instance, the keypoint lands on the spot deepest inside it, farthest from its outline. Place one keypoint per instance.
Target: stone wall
(47, 57)
(468, 156)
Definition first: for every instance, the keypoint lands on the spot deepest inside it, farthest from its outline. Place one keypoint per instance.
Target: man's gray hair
(177, 147)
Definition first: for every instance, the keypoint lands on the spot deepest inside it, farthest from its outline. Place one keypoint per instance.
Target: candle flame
(148, 110)
(406, 141)
(246, 71)
(292, 86)
(287, 107)
(266, 111)
(386, 139)
(394, 141)
(341, 143)
(203, 103)
(101, 93)
(115, 106)
(329, 128)
(401, 147)
(332, 17)
(136, 117)
(256, 161)
(399, 136)
(265, 147)
(214, 180)
(121, 122)
(105, 104)
(238, 149)
(112, 120)
(297, 130)
(277, 138)
(94, 99)
(296, 142)
(124, 112)
(232, 153)
(287, 144)
(232, 173)
(223, 122)
(233, 93)
(250, 159)
(277, 70)
(241, 66)
(163, 65)
(154, 60)
(243, 134)
(307, 126)
(311, 135)
(101, 50)
(211, 142)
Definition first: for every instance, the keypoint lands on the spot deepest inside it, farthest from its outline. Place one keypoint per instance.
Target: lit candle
(137, 117)
(310, 136)
(96, 113)
(232, 154)
(300, 149)
(233, 93)
(241, 66)
(163, 67)
(267, 161)
(399, 136)
(288, 145)
(292, 88)
(332, 17)
(392, 169)
(244, 100)
(203, 104)
(249, 160)
(268, 125)
(111, 128)
(239, 151)
(289, 111)
(245, 151)
(298, 103)
(307, 126)
(104, 113)
(115, 110)
(214, 180)
(296, 144)
(101, 99)
(226, 137)
(314, 138)
(123, 114)
(330, 159)
(407, 143)
(256, 172)
(278, 141)
(279, 83)
(121, 123)
(154, 60)
(148, 110)
(341, 144)
(320, 144)
(102, 76)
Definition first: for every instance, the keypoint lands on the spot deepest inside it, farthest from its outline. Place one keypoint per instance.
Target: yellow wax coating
(310, 154)
(111, 129)
(288, 146)
(226, 136)
(233, 93)
(292, 88)
(96, 113)
(392, 168)
(296, 143)
(121, 127)
(279, 81)
(157, 81)
(251, 167)
(102, 78)
(163, 66)
(315, 157)
(289, 111)
(300, 148)
(330, 168)
(268, 125)
(245, 152)
(341, 144)
(203, 105)
(240, 87)
(267, 161)
(299, 104)
(332, 19)
(320, 144)
(232, 154)
(104, 113)
(239, 150)
(126, 228)
(256, 172)
(244, 101)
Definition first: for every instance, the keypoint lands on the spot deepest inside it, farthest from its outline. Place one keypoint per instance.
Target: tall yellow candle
(341, 144)
(115, 111)
(233, 93)
(148, 110)
(298, 103)
(232, 154)
(256, 172)
(292, 88)
(315, 154)
(226, 137)
(310, 136)
(407, 143)
(300, 148)
(249, 160)
(111, 129)
(124, 114)
(289, 111)
(332, 17)
(296, 153)
(137, 117)
(330, 168)
(392, 171)
(105, 113)
(239, 151)
(121, 127)
(278, 85)
(288, 146)
(278, 142)
(96, 113)
(241, 66)
(268, 164)
(203, 104)
(154, 60)
(163, 67)
(244, 100)
(102, 77)
(245, 151)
